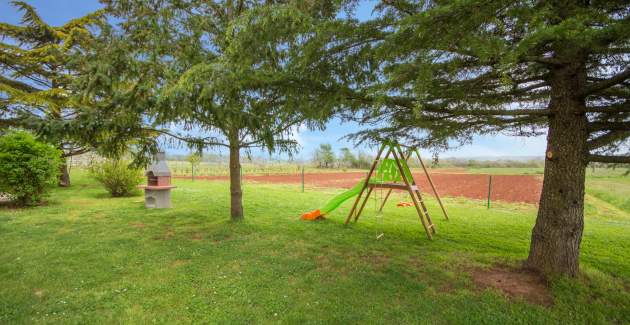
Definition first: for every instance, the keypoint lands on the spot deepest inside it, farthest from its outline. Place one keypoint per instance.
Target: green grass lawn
(87, 258)
(610, 188)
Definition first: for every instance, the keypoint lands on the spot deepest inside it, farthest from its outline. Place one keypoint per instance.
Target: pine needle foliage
(198, 77)
(36, 77)
(436, 73)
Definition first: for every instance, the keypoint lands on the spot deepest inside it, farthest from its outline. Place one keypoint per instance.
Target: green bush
(118, 178)
(27, 167)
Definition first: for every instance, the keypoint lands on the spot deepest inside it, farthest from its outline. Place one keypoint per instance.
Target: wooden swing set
(396, 170)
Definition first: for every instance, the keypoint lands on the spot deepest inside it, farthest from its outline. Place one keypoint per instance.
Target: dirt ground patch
(514, 283)
(506, 188)
(378, 261)
(137, 225)
(168, 234)
(178, 263)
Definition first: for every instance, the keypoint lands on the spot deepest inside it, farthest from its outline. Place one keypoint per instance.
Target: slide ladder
(424, 212)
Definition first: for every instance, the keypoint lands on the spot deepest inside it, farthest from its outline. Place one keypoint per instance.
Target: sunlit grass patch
(88, 258)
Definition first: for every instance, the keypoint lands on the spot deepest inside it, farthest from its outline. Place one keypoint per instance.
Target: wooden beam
(413, 197)
(394, 186)
(420, 199)
(367, 179)
(367, 197)
(432, 185)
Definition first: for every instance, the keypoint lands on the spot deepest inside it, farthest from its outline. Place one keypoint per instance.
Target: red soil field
(506, 188)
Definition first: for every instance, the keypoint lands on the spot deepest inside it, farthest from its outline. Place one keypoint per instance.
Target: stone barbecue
(157, 192)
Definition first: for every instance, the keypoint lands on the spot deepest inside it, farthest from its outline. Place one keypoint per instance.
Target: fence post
(193, 171)
(489, 189)
(302, 178)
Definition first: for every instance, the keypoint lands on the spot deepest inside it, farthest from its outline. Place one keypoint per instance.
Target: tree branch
(490, 112)
(188, 139)
(621, 77)
(400, 6)
(609, 159)
(503, 112)
(543, 60)
(11, 122)
(411, 104)
(18, 85)
(611, 126)
(531, 87)
(615, 108)
(283, 129)
(608, 138)
(75, 152)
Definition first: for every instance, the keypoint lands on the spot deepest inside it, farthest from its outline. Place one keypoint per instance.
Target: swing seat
(404, 204)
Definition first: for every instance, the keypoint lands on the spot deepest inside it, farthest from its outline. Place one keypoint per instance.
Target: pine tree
(327, 154)
(347, 158)
(217, 92)
(36, 79)
(435, 73)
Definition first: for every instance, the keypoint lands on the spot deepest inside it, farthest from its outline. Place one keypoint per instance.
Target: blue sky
(57, 12)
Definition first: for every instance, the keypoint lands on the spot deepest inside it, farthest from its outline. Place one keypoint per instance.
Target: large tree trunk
(556, 237)
(236, 193)
(64, 175)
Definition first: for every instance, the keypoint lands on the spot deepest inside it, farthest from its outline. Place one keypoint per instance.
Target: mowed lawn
(87, 258)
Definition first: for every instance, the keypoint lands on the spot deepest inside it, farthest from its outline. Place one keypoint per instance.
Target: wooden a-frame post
(409, 185)
(437, 196)
(365, 184)
(429, 227)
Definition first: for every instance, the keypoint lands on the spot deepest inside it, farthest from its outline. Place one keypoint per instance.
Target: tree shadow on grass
(106, 195)
(13, 205)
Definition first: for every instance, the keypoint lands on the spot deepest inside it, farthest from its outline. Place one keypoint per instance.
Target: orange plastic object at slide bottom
(404, 204)
(313, 215)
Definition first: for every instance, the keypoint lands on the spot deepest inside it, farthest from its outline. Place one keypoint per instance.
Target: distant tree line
(324, 157)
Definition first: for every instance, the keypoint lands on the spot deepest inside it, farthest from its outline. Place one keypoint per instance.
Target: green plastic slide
(336, 201)
(387, 172)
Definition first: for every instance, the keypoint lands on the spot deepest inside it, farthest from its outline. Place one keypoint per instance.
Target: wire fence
(486, 188)
(449, 182)
(185, 169)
